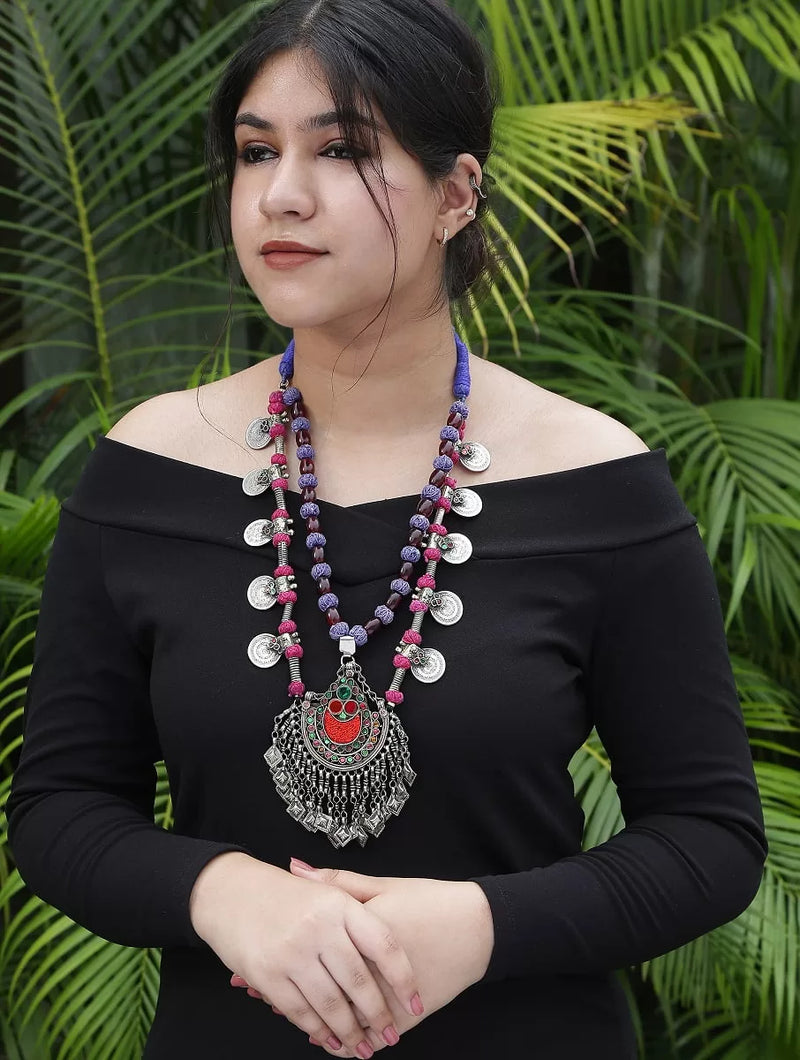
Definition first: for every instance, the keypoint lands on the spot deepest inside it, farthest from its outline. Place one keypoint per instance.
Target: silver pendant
(356, 750)
(473, 455)
(427, 665)
(467, 502)
(259, 532)
(446, 608)
(263, 650)
(257, 434)
(456, 548)
(261, 592)
(256, 481)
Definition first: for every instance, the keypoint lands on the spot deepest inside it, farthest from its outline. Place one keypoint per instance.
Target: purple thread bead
(300, 423)
(328, 600)
(409, 554)
(460, 408)
(316, 540)
(449, 434)
(399, 586)
(461, 383)
(321, 570)
(430, 493)
(341, 629)
(287, 361)
(383, 613)
(306, 452)
(290, 395)
(309, 510)
(359, 635)
(419, 522)
(441, 463)
(311, 480)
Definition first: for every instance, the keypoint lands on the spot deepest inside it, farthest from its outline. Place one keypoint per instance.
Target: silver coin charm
(256, 481)
(263, 650)
(446, 608)
(259, 532)
(467, 502)
(427, 665)
(473, 456)
(257, 434)
(456, 548)
(261, 592)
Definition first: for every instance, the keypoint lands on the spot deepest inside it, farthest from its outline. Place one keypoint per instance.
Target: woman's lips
(278, 259)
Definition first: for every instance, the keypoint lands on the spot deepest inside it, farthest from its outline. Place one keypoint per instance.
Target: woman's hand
(445, 927)
(302, 946)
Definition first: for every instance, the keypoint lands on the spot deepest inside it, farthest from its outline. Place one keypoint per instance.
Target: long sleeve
(80, 811)
(662, 695)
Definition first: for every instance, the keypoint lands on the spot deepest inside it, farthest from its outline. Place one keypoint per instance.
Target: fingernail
(334, 1042)
(303, 865)
(365, 1050)
(390, 1035)
(416, 1005)
(314, 1041)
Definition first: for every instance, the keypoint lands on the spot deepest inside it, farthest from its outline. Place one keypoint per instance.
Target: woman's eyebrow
(317, 121)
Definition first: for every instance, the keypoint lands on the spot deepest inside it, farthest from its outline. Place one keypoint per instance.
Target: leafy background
(647, 209)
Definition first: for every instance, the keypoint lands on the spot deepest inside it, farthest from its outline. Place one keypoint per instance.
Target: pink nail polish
(365, 1050)
(334, 1042)
(303, 864)
(390, 1035)
(416, 1005)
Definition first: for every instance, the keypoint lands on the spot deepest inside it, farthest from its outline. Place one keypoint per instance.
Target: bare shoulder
(559, 433)
(155, 423)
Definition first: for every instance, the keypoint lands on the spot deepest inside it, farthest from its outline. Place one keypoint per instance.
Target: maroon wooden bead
(307, 466)
(437, 478)
(303, 438)
(297, 410)
(309, 494)
(312, 524)
(318, 555)
(415, 537)
(332, 616)
(372, 626)
(455, 419)
(394, 601)
(406, 571)
(446, 448)
(323, 586)
(425, 507)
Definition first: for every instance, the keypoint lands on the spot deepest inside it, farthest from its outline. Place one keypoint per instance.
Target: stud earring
(470, 212)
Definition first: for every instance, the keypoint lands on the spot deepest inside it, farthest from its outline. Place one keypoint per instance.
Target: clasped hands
(444, 926)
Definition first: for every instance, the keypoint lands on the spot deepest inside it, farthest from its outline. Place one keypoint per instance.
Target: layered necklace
(340, 758)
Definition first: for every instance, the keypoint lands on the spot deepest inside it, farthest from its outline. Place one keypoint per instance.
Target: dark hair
(424, 68)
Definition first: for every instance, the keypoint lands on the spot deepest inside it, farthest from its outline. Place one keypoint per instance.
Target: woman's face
(298, 185)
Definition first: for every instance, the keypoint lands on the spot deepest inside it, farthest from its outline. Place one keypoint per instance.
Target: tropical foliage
(655, 140)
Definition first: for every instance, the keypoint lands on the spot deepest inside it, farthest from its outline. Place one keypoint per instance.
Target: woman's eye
(249, 155)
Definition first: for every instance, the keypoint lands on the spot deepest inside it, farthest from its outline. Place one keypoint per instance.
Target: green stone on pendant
(344, 692)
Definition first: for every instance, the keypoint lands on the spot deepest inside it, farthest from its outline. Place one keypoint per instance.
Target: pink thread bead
(426, 581)
(433, 555)
(280, 484)
(294, 651)
(276, 395)
(296, 688)
(288, 596)
(288, 626)
(417, 605)
(281, 537)
(278, 458)
(276, 430)
(280, 513)
(455, 456)
(402, 663)
(274, 407)
(445, 503)
(394, 697)
(412, 637)
(450, 481)
(437, 528)
(283, 570)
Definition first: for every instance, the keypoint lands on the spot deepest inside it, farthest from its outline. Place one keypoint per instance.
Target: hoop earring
(442, 241)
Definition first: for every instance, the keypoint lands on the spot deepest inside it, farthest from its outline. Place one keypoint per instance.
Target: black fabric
(589, 599)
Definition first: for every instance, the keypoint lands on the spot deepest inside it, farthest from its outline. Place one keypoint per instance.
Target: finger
(355, 883)
(368, 1001)
(319, 1008)
(374, 939)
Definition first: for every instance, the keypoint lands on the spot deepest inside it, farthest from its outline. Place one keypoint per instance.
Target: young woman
(381, 660)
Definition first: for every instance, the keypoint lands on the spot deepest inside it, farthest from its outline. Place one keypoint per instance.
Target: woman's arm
(663, 698)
